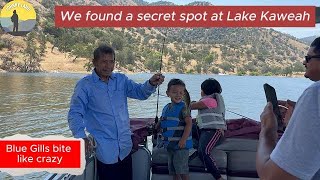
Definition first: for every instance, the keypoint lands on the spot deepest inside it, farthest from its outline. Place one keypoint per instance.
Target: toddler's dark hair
(210, 86)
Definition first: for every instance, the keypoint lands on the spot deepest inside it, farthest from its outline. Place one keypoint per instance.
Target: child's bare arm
(198, 105)
(186, 132)
(187, 128)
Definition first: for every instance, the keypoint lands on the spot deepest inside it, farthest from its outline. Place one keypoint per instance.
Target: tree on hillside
(198, 68)
(7, 62)
(6, 43)
(298, 67)
(265, 68)
(130, 56)
(153, 61)
(226, 66)
(117, 43)
(43, 44)
(209, 59)
(125, 57)
(32, 58)
(180, 66)
(214, 70)
(81, 50)
(187, 56)
(287, 70)
(153, 65)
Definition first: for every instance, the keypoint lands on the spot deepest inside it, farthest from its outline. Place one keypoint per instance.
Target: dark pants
(121, 170)
(208, 140)
(15, 27)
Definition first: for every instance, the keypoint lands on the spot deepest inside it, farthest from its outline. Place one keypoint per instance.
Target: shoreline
(296, 75)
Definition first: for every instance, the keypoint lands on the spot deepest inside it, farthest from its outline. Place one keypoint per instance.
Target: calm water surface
(37, 104)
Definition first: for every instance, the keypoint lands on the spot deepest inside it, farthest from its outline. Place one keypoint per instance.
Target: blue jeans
(207, 141)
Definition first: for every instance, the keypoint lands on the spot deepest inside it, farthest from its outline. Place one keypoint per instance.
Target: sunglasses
(308, 58)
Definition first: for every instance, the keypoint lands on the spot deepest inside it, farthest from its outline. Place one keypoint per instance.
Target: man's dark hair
(103, 49)
(173, 82)
(210, 86)
(316, 45)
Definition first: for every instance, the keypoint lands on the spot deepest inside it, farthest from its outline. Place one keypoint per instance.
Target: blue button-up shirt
(102, 108)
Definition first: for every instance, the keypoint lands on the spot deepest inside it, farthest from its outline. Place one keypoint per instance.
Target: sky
(297, 32)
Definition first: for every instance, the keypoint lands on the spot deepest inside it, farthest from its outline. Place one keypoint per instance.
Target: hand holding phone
(271, 96)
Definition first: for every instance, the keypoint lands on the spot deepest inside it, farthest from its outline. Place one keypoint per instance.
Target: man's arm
(139, 91)
(266, 168)
(78, 105)
(143, 91)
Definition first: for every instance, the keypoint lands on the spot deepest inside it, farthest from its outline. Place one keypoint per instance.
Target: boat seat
(141, 163)
(238, 144)
(242, 164)
(241, 155)
(235, 157)
(160, 161)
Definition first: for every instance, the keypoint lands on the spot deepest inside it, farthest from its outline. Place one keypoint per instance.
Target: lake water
(37, 104)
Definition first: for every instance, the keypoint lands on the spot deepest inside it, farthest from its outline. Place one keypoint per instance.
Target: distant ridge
(309, 39)
(23, 25)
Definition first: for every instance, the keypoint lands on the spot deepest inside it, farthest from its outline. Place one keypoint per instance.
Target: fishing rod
(156, 120)
(162, 49)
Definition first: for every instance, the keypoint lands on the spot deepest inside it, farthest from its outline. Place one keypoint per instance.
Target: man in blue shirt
(99, 104)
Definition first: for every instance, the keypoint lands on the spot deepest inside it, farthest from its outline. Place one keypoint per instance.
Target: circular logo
(18, 17)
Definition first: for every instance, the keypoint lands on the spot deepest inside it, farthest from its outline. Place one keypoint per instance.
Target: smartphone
(271, 96)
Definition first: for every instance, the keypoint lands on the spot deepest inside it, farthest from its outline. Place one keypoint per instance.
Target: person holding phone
(272, 97)
(297, 154)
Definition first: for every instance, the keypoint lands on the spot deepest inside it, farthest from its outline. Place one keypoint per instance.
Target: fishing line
(226, 109)
(240, 115)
